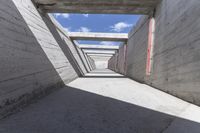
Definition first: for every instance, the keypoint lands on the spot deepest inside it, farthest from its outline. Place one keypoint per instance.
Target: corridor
(105, 102)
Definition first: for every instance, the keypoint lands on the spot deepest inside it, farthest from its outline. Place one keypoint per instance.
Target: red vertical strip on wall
(149, 48)
(125, 54)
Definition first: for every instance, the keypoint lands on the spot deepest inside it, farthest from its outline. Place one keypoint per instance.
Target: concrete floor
(105, 102)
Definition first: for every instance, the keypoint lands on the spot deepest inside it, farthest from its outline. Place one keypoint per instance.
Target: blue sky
(97, 23)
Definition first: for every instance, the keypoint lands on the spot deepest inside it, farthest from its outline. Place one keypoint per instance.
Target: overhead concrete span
(123, 37)
(98, 6)
(98, 47)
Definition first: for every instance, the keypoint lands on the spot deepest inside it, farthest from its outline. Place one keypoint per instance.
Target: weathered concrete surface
(118, 61)
(136, 57)
(101, 104)
(100, 55)
(103, 47)
(122, 59)
(83, 57)
(176, 58)
(98, 6)
(98, 36)
(100, 62)
(110, 52)
(92, 62)
(31, 53)
(72, 52)
(113, 63)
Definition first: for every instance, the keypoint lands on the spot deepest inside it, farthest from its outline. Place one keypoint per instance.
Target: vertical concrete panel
(113, 63)
(176, 49)
(83, 60)
(137, 50)
(176, 56)
(101, 62)
(121, 59)
(68, 47)
(31, 56)
(92, 62)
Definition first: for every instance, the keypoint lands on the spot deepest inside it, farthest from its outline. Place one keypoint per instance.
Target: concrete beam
(103, 47)
(100, 58)
(111, 52)
(98, 6)
(122, 37)
(100, 55)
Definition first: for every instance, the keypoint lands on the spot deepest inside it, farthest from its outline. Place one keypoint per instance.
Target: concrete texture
(93, 46)
(83, 57)
(98, 6)
(105, 102)
(176, 59)
(100, 55)
(100, 62)
(35, 56)
(136, 57)
(113, 63)
(98, 36)
(111, 52)
(71, 51)
(118, 63)
(92, 62)
(122, 59)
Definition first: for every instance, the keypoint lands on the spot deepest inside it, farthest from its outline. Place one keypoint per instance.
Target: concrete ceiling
(98, 6)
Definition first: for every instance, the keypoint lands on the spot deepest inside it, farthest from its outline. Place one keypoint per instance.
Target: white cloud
(63, 15)
(67, 29)
(86, 15)
(84, 29)
(118, 27)
(108, 43)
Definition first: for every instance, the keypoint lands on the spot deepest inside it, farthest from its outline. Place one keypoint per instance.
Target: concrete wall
(92, 62)
(117, 62)
(137, 50)
(121, 59)
(101, 63)
(113, 63)
(176, 56)
(69, 48)
(32, 57)
(83, 59)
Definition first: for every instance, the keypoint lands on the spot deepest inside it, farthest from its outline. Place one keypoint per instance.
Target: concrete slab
(105, 102)
(103, 47)
(100, 55)
(122, 37)
(111, 52)
(98, 6)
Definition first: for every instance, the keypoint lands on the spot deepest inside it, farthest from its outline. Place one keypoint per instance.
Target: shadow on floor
(103, 73)
(71, 110)
(104, 76)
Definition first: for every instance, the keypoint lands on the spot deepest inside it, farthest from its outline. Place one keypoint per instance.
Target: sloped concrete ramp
(105, 102)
